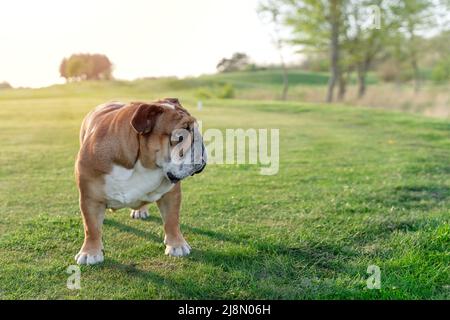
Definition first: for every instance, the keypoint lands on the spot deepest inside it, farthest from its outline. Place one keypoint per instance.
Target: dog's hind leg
(141, 213)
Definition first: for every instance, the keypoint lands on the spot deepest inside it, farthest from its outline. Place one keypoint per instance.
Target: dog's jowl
(131, 155)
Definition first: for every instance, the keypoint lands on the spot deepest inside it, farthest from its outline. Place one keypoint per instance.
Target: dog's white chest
(130, 187)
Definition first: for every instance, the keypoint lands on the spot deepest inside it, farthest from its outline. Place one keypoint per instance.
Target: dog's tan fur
(118, 134)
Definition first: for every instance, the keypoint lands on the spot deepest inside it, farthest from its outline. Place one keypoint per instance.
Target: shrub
(238, 62)
(204, 93)
(225, 91)
(441, 71)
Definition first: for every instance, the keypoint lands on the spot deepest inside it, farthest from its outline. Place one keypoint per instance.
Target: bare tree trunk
(331, 84)
(334, 48)
(342, 87)
(362, 71)
(414, 63)
(416, 73)
(279, 44)
(278, 41)
(285, 84)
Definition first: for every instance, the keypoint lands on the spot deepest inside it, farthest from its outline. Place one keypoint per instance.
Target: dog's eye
(175, 140)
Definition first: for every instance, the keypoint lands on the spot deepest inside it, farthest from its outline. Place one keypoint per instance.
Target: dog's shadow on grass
(257, 262)
(133, 270)
(129, 229)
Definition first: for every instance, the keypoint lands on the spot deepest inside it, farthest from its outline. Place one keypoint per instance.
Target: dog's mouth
(172, 178)
(199, 170)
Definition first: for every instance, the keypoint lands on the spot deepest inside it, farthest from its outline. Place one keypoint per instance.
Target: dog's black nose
(172, 178)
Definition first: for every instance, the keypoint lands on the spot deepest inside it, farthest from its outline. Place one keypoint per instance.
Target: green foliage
(204, 93)
(253, 67)
(272, 76)
(441, 71)
(359, 46)
(225, 91)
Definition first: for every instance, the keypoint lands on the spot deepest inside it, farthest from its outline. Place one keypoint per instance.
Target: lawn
(356, 187)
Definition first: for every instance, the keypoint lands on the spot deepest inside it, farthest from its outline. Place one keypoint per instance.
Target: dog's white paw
(141, 213)
(178, 251)
(85, 258)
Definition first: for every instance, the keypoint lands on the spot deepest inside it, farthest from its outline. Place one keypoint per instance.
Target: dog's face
(172, 139)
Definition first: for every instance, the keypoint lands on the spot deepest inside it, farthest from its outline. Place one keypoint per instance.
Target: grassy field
(356, 187)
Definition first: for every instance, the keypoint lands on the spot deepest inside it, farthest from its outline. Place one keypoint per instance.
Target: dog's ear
(145, 117)
(172, 101)
(177, 104)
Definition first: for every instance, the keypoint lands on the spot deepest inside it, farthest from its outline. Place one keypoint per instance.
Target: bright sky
(141, 37)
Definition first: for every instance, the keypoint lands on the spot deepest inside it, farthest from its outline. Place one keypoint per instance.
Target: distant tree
(239, 61)
(412, 18)
(63, 69)
(316, 26)
(270, 14)
(343, 30)
(364, 41)
(334, 18)
(5, 85)
(80, 67)
(76, 67)
(101, 68)
(439, 56)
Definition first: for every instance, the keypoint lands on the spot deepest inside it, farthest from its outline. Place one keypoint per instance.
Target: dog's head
(171, 138)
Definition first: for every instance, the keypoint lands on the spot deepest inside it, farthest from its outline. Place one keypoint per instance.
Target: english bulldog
(131, 155)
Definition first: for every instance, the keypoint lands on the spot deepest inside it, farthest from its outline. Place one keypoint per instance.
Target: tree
(334, 18)
(239, 61)
(412, 18)
(63, 69)
(364, 36)
(80, 67)
(271, 15)
(439, 57)
(339, 28)
(5, 85)
(316, 27)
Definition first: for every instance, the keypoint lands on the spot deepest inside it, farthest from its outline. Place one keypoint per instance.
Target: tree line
(356, 35)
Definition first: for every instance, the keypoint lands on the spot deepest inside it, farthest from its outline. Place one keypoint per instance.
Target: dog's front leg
(93, 214)
(169, 206)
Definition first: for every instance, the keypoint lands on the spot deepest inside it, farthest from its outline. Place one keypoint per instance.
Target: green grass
(356, 187)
